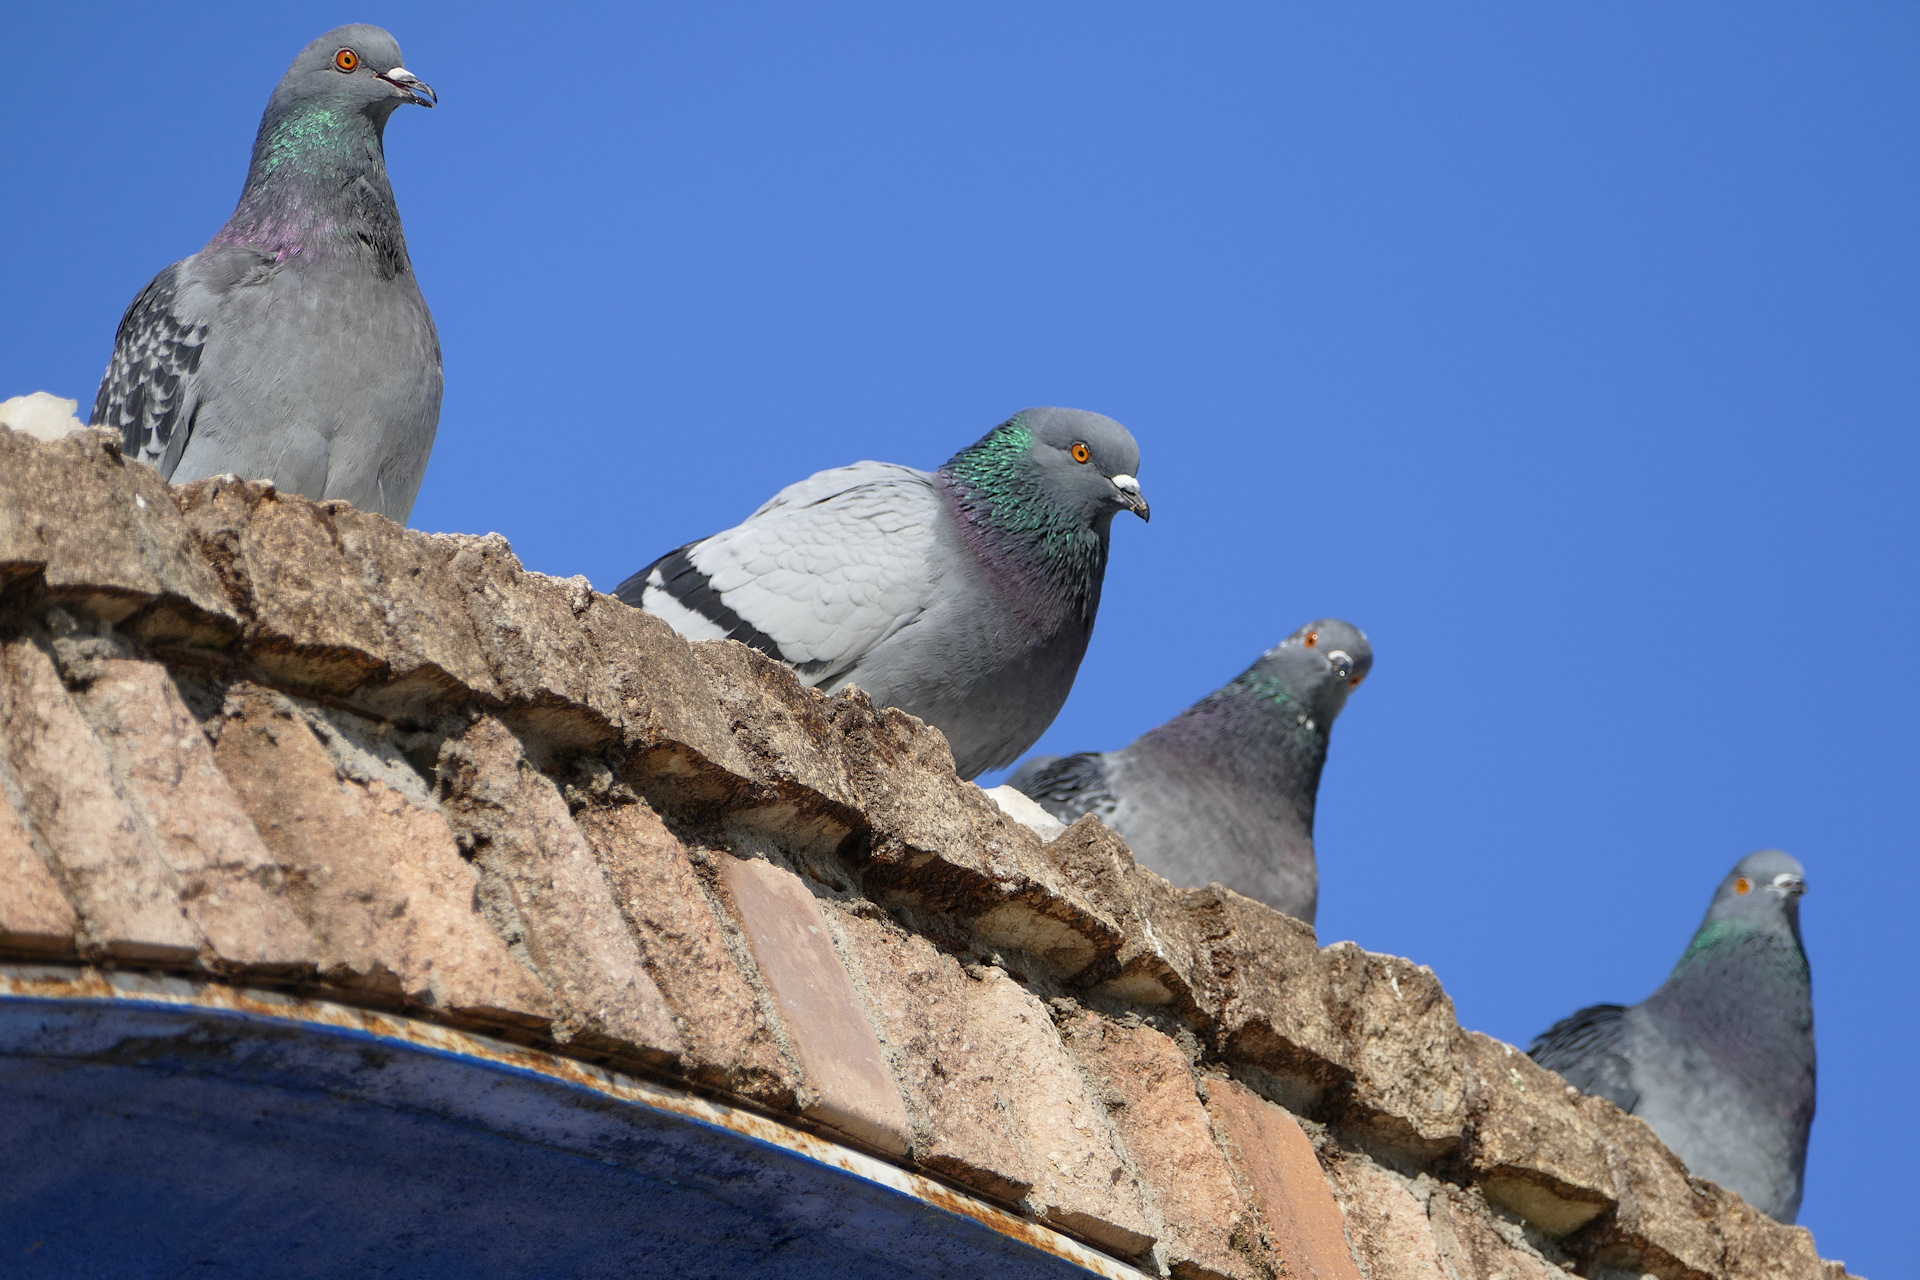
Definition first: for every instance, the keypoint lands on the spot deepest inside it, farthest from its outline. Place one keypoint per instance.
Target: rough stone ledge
(265, 741)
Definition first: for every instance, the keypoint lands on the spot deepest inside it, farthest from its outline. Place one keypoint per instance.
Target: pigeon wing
(148, 394)
(1589, 1049)
(818, 577)
(1068, 786)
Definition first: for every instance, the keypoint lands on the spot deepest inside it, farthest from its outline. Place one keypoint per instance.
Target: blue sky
(1570, 350)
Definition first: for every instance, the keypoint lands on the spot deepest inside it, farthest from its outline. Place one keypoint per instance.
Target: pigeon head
(1759, 897)
(1321, 664)
(1036, 497)
(1046, 468)
(352, 69)
(1763, 888)
(1090, 462)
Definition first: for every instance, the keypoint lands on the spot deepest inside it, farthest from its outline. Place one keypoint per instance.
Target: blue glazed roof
(150, 1139)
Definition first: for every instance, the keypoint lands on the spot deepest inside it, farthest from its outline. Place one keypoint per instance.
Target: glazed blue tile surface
(145, 1140)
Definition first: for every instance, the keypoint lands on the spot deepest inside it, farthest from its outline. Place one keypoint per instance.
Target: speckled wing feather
(1068, 786)
(148, 395)
(819, 576)
(1588, 1049)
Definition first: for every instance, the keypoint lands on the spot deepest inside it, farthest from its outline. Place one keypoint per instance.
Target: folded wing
(1589, 1049)
(148, 393)
(1068, 786)
(818, 577)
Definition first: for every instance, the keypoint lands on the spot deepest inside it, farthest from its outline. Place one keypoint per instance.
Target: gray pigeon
(965, 596)
(295, 347)
(1224, 791)
(1720, 1059)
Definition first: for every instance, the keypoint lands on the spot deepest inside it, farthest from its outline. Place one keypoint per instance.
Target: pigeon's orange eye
(1313, 638)
(1743, 885)
(346, 59)
(1080, 451)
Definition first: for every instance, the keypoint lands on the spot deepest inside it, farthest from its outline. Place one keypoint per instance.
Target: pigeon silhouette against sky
(1720, 1059)
(1225, 790)
(965, 596)
(295, 347)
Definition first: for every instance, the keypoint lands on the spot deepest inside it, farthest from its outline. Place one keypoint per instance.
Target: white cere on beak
(1130, 496)
(1788, 885)
(416, 89)
(1341, 662)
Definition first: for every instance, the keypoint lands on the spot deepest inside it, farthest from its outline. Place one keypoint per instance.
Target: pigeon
(1720, 1059)
(296, 346)
(1224, 792)
(964, 596)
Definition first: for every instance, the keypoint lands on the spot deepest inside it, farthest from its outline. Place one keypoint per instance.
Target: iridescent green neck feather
(317, 187)
(1257, 727)
(1055, 556)
(1716, 940)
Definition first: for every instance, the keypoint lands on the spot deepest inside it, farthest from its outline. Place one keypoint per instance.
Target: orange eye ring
(1080, 451)
(346, 60)
(1313, 638)
(1743, 885)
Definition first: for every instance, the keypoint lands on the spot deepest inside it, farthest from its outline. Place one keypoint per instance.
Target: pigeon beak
(415, 89)
(1342, 663)
(1789, 885)
(1131, 497)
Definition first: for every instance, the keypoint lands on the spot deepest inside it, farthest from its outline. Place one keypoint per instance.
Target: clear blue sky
(1570, 350)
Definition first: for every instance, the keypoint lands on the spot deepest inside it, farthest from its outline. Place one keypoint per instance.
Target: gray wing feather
(1069, 786)
(824, 572)
(147, 394)
(1589, 1049)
